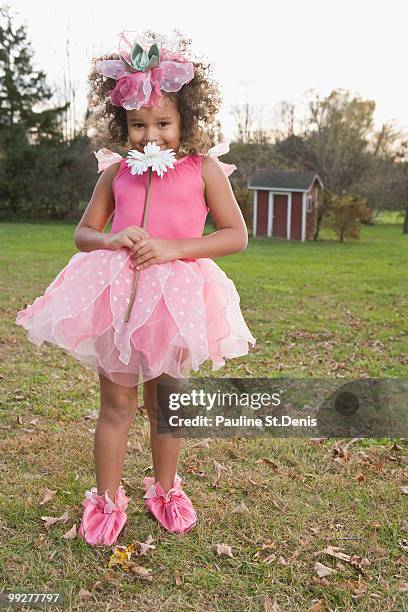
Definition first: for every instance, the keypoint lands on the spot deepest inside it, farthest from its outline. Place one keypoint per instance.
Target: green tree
(345, 214)
(26, 121)
(22, 88)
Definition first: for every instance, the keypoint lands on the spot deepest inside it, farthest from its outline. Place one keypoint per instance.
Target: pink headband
(141, 75)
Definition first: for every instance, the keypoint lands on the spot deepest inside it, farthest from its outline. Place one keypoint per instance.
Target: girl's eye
(137, 125)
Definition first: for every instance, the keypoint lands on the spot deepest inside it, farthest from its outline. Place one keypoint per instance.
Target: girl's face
(153, 124)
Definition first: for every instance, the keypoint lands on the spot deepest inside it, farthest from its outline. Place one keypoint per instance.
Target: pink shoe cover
(103, 520)
(173, 509)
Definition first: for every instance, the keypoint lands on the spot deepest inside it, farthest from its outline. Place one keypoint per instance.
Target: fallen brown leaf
(396, 447)
(71, 534)
(269, 606)
(269, 545)
(203, 444)
(322, 570)
(240, 508)
(375, 525)
(51, 520)
(358, 562)
(144, 547)
(223, 549)
(366, 458)
(268, 462)
(317, 607)
(295, 555)
(403, 544)
(316, 441)
(357, 588)
(141, 572)
(259, 486)
(339, 453)
(48, 495)
(84, 594)
(219, 468)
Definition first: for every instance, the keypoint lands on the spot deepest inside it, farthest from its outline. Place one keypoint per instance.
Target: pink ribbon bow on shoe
(174, 509)
(103, 519)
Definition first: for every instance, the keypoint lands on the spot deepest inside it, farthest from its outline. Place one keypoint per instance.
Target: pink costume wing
(115, 69)
(221, 149)
(106, 158)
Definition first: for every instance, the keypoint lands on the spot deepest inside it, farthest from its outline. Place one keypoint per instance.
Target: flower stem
(132, 296)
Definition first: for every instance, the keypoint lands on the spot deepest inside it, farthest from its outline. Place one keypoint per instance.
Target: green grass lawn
(321, 310)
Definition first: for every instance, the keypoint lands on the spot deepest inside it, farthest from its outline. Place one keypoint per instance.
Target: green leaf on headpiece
(139, 57)
(154, 56)
(140, 60)
(127, 64)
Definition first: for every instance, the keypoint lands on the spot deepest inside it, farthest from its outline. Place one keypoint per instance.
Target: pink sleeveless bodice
(177, 208)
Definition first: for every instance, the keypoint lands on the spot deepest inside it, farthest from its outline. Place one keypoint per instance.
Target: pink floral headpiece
(143, 70)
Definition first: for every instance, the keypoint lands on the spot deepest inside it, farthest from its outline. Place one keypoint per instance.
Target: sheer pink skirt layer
(184, 313)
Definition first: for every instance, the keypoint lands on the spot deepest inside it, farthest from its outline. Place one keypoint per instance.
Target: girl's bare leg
(118, 407)
(165, 447)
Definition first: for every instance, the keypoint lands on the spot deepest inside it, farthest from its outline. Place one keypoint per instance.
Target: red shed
(285, 203)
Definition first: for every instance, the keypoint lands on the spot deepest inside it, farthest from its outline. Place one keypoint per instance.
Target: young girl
(185, 310)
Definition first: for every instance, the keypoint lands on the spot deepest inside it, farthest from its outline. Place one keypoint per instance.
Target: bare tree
(284, 120)
(251, 126)
(245, 119)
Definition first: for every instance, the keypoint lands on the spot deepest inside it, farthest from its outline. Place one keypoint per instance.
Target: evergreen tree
(22, 89)
(27, 124)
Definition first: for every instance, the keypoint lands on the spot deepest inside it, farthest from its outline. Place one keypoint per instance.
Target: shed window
(309, 204)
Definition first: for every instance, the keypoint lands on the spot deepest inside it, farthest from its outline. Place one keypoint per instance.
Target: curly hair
(197, 102)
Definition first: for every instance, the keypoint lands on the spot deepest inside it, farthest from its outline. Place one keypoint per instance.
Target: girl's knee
(119, 412)
(118, 403)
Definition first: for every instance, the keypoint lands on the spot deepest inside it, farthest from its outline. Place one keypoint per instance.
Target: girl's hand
(154, 251)
(128, 237)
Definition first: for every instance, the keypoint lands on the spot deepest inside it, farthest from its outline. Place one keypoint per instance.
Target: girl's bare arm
(89, 234)
(231, 235)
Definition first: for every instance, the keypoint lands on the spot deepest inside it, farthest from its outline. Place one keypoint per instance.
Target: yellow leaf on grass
(122, 555)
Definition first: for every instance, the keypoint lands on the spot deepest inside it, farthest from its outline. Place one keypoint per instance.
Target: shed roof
(283, 179)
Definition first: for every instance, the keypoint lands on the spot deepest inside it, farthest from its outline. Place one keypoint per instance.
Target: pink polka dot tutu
(184, 313)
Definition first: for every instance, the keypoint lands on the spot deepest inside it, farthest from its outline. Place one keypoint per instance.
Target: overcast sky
(262, 52)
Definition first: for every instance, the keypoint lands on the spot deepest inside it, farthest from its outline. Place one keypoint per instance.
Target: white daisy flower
(153, 157)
